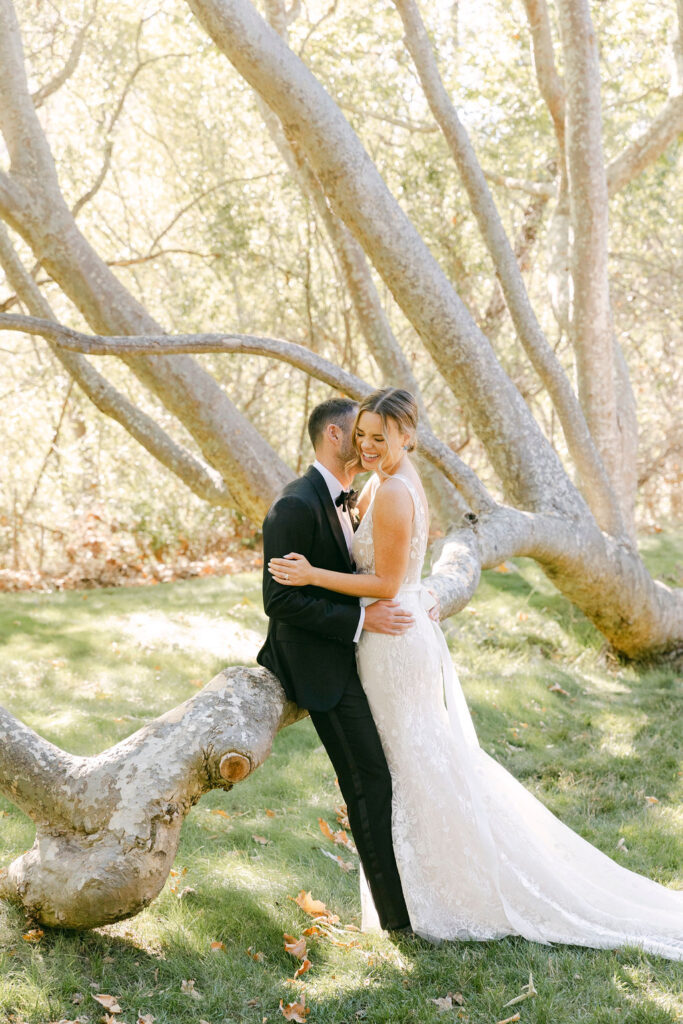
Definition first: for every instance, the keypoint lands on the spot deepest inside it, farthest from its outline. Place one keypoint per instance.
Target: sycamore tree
(539, 371)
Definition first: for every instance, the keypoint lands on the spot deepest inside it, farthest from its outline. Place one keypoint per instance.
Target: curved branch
(594, 479)
(226, 438)
(108, 826)
(303, 358)
(667, 126)
(201, 479)
(549, 82)
(67, 71)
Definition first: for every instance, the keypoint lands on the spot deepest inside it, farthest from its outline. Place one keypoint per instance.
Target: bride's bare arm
(392, 517)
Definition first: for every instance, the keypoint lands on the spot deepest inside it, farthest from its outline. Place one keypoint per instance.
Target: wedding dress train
(479, 856)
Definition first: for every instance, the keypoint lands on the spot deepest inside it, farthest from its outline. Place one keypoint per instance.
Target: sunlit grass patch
(597, 741)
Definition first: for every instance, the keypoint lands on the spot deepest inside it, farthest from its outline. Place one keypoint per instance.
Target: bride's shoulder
(394, 497)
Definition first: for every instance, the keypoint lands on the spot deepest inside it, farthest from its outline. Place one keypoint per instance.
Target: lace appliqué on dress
(479, 856)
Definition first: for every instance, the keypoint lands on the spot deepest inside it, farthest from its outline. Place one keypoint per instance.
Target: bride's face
(377, 447)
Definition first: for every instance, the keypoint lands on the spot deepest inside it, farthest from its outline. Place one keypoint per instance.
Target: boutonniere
(355, 518)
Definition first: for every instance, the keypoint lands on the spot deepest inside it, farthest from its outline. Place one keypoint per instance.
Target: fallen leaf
(77, 998)
(188, 989)
(345, 865)
(269, 813)
(34, 935)
(621, 845)
(502, 568)
(146, 1018)
(108, 1002)
(109, 1019)
(217, 810)
(458, 998)
(187, 890)
(253, 1002)
(217, 946)
(651, 800)
(258, 957)
(314, 908)
(443, 1003)
(509, 1020)
(556, 688)
(314, 930)
(302, 968)
(342, 816)
(295, 1011)
(295, 947)
(528, 991)
(261, 839)
(340, 838)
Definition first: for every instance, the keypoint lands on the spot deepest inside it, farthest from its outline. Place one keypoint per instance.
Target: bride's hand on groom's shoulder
(292, 570)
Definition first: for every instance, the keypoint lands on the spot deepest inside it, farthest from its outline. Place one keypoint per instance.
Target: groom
(311, 641)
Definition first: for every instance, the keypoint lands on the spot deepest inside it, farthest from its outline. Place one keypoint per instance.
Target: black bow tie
(347, 500)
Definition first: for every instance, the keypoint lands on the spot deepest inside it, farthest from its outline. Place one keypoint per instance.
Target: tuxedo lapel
(330, 511)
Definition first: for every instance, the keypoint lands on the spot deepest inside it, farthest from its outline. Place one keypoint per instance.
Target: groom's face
(348, 451)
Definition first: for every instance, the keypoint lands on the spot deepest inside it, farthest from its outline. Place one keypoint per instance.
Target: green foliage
(86, 669)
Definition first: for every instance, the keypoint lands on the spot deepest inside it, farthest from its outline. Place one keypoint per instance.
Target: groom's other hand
(387, 617)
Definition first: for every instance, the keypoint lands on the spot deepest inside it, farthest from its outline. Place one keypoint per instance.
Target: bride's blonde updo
(392, 403)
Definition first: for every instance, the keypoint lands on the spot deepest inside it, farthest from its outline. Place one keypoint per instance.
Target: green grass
(86, 669)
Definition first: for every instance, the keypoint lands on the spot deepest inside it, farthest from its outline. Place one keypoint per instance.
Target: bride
(479, 856)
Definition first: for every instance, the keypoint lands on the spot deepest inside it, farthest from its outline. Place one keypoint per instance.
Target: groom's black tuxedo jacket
(309, 645)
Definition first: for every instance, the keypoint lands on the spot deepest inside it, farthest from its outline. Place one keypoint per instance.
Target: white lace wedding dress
(479, 856)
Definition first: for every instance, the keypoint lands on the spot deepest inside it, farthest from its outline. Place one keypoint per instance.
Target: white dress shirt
(335, 488)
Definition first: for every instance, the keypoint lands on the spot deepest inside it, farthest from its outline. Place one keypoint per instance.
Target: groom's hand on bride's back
(387, 617)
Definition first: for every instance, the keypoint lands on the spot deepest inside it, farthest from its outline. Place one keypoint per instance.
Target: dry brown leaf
(108, 1002)
(343, 816)
(443, 1003)
(314, 907)
(223, 814)
(295, 1011)
(314, 930)
(302, 968)
(77, 998)
(187, 890)
(458, 998)
(217, 946)
(651, 800)
(33, 935)
(556, 688)
(295, 947)
(261, 839)
(345, 865)
(253, 1002)
(145, 1018)
(258, 957)
(509, 1020)
(188, 989)
(269, 813)
(502, 568)
(109, 1019)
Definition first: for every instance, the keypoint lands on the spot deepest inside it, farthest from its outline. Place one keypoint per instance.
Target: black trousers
(350, 738)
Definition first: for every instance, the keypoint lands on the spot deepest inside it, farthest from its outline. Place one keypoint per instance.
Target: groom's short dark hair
(334, 410)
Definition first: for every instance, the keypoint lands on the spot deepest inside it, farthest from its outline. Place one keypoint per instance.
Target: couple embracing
(451, 845)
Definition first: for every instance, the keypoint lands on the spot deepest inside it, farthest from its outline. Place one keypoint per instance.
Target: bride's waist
(408, 593)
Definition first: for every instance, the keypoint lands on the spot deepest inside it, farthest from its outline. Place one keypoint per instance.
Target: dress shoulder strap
(412, 490)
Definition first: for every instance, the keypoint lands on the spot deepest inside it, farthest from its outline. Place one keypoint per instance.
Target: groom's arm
(290, 526)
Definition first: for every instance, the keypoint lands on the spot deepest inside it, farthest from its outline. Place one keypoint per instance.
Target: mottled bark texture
(107, 827)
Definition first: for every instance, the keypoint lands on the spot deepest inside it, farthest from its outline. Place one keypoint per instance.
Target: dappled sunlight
(619, 733)
(220, 637)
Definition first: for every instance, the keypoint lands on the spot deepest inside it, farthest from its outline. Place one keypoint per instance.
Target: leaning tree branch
(594, 479)
(666, 127)
(549, 81)
(460, 475)
(227, 440)
(201, 479)
(107, 827)
(367, 305)
(522, 457)
(70, 65)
